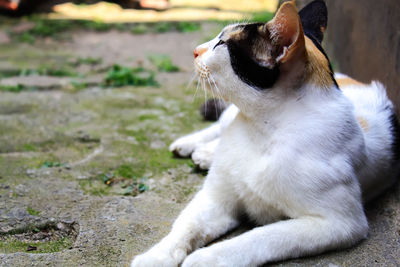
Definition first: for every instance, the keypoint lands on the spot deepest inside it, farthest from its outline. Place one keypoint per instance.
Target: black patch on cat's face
(314, 18)
(243, 62)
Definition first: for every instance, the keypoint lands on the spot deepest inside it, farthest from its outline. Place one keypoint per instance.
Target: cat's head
(267, 59)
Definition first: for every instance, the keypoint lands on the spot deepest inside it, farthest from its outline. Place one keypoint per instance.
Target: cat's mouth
(201, 69)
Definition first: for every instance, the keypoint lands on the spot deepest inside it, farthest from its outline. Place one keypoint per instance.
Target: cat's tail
(377, 118)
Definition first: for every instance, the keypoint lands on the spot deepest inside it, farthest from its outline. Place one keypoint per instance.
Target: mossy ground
(12, 246)
(69, 150)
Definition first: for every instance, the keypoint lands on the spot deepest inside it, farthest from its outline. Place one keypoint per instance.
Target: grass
(262, 16)
(11, 245)
(121, 76)
(62, 71)
(12, 88)
(57, 28)
(163, 63)
(76, 85)
(89, 61)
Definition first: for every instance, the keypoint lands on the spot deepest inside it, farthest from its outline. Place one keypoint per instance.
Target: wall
(363, 39)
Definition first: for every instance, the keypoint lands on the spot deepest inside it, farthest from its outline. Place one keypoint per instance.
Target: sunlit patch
(347, 81)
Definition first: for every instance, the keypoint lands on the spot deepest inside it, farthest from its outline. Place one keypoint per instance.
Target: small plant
(51, 164)
(125, 174)
(136, 187)
(122, 76)
(163, 63)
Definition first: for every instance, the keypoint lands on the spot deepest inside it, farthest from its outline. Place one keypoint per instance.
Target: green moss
(94, 187)
(29, 147)
(126, 171)
(145, 117)
(11, 245)
(32, 211)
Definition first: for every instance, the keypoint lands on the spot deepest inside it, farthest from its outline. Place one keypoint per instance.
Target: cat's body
(372, 110)
(291, 154)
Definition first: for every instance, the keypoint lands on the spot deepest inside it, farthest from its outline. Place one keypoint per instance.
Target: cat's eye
(219, 43)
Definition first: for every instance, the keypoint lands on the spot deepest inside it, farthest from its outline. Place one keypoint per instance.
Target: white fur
(291, 160)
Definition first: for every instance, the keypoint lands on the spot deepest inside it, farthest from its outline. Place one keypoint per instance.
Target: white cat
(291, 153)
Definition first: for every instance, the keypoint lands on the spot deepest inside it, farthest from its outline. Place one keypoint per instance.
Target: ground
(86, 178)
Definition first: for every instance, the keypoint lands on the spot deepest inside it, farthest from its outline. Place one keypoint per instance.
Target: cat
(292, 154)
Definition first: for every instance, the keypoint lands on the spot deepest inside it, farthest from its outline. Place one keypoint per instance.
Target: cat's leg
(187, 144)
(282, 240)
(208, 216)
(203, 155)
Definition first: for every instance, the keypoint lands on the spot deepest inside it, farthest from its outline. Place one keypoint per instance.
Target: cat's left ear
(286, 32)
(314, 18)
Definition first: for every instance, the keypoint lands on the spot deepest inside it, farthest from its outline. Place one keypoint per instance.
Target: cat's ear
(287, 33)
(314, 18)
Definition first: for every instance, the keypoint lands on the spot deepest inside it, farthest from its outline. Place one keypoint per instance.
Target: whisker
(205, 94)
(191, 81)
(215, 98)
(197, 88)
(218, 92)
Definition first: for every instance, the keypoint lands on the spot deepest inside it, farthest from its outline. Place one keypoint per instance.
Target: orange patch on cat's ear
(346, 81)
(287, 32)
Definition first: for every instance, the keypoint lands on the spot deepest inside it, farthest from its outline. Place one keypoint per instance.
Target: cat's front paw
(161, 255)
(156, 259)
(184, 146)
(203, 258)
(202, 157)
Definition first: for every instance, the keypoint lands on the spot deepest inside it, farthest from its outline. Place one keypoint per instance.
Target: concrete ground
(86, 178)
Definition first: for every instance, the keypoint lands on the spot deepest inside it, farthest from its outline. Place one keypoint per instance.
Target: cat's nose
(199, 51)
